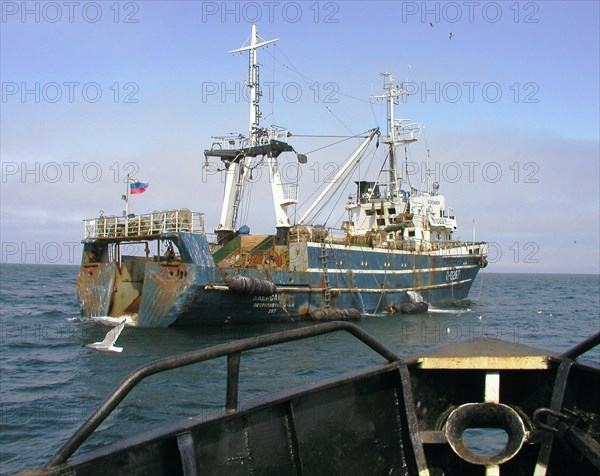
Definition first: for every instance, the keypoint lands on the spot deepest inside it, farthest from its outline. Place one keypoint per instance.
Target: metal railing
(233, 352)
(154, 223)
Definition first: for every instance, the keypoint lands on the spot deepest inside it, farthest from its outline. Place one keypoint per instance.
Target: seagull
(450, 35)
(431, 24)
(111, 337)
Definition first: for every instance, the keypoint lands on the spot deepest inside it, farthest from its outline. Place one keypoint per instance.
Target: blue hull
(194, 291)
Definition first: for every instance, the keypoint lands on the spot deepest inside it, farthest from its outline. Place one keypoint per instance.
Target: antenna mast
(395, 131)
(392, 95)
(235, 176)
(253, 83)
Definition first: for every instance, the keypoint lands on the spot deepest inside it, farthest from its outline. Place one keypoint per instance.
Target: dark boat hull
(400, 418)
(197, 293)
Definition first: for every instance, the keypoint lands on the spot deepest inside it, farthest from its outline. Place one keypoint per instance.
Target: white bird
(111, 337)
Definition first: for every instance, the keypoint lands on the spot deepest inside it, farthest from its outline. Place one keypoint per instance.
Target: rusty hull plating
(186, 281)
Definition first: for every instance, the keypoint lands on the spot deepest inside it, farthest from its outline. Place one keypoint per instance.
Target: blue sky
(93, 91)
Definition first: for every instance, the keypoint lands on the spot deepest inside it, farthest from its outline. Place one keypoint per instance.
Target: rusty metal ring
(485, 415)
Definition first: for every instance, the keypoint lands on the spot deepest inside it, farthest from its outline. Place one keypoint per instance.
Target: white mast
(253, 82)
(392, 93)
(234, 178)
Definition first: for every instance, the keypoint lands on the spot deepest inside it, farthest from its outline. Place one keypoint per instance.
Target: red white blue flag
(137, 187)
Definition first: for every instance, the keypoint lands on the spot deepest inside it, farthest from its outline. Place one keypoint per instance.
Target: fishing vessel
(396, 244)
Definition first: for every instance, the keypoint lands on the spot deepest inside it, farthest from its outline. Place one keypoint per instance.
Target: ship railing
(460, 248)
(233, 142)
(448, 248)
(150, 224)
(233, 351)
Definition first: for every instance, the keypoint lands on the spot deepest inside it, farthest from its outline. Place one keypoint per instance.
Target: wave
(447, 311)
(130, 320)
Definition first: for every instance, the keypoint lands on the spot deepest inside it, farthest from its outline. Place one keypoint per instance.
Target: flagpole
(127, 199)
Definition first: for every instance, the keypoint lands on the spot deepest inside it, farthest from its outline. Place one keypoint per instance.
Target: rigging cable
(341, 185)
(306, 79)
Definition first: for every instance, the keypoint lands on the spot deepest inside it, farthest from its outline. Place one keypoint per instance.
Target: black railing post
(233, 378)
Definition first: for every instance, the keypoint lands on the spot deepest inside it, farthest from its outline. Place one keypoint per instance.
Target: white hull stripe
(304, 289)
(390, 271)
(458, 252)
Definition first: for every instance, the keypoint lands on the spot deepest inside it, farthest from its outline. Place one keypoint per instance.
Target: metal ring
(485, 415)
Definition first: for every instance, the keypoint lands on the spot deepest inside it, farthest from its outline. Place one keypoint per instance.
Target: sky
(507, 92)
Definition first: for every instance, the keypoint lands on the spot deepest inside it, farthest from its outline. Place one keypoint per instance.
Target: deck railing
(232, 350)
(154, 223)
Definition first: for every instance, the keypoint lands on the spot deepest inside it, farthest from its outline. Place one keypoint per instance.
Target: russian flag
(137, 187)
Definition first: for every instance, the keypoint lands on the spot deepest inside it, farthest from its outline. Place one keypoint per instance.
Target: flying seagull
(431, 24)
(111, 337)
(450, 35)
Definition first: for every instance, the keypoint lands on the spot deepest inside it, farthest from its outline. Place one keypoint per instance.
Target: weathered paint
(193, 291)
(128, 284)
(95, 283)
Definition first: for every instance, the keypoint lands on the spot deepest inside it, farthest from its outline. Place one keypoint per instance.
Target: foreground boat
(396, 246)
(400, 418)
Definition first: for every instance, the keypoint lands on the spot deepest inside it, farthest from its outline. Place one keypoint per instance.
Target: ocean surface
(49, 383)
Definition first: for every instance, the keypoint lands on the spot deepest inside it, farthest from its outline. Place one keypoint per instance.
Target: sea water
(50, 382)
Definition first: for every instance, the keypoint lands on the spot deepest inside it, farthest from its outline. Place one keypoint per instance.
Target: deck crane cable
(372, 156)
(341, 185)
(317, 190)
(341, 181)
(406, 153)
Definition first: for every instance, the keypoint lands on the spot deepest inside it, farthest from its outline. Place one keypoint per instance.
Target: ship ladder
(324, 262)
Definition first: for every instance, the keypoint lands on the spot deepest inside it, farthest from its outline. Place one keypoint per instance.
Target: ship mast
(235, 177)
(391, 95)
(253, 83)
